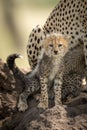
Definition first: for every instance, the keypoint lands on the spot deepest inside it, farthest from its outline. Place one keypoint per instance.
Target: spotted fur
(55, 46)
(69, 17)
(68, 77)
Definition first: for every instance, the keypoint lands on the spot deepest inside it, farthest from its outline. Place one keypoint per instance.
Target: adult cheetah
(69, 17)
(52, 69)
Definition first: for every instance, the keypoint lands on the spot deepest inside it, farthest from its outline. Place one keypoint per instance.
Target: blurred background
(17, 19)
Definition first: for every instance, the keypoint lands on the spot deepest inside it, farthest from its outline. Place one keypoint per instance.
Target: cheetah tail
(12, 66)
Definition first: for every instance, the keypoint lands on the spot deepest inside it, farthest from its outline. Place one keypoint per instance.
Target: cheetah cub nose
(56, 52)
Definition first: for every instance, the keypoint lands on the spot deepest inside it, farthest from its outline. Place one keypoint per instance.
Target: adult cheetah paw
(22, 107)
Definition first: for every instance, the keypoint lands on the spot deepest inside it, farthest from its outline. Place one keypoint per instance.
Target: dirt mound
(68, 117)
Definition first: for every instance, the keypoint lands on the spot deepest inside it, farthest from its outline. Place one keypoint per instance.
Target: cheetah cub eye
(60, 45)
(51, 45)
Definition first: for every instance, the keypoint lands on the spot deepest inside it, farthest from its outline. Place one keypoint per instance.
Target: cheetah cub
(55, 46)
(50, 67)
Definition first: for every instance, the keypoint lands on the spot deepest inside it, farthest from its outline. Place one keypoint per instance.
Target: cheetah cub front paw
(42, 105)
(22, 106)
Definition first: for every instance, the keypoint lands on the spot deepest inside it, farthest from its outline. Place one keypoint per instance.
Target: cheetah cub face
(55, 45)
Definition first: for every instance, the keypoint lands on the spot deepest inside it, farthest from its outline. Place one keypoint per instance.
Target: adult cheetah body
(69, 75)
(69, 17)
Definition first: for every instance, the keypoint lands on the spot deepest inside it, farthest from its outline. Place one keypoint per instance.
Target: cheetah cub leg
(57, 90)
(22, 103)
(44, 94)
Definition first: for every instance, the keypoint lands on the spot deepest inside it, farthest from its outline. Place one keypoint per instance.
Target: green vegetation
(37, 3)
(43, 3)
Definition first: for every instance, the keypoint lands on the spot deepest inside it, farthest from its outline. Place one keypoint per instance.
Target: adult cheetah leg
(35, 45)
(72, 86)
